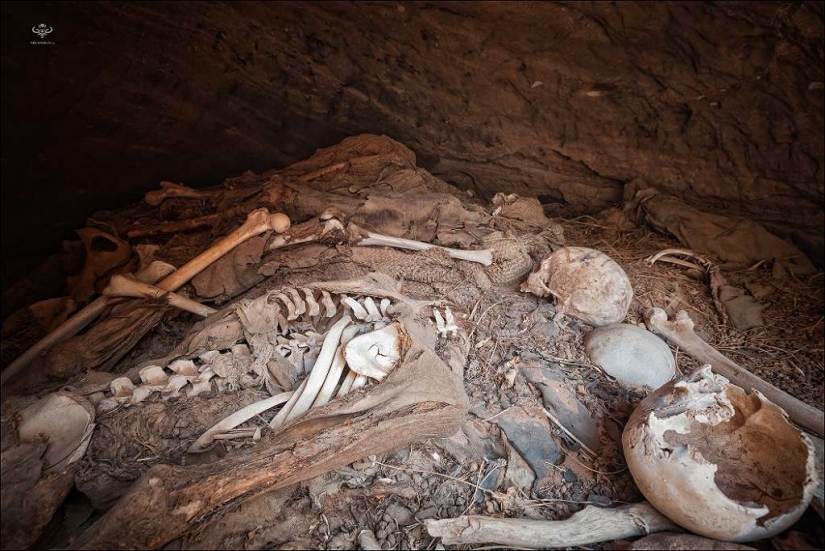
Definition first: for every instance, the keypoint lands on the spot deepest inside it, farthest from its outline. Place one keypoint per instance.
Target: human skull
(717, 461)
(586, 284)
(631, 355)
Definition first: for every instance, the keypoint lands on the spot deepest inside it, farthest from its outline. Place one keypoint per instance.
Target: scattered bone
(237, 418)
(65, 420)
(360, 381)
(375, 354)
(588, 526)
(171, 189)
(717, 461)
(300, 305)
(124, 286)
(385, 304)
(679, 332)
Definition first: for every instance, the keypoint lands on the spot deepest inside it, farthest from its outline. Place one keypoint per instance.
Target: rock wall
(719, 104)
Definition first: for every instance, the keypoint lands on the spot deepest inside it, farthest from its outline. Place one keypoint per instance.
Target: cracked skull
(718, 461)
(585, 283)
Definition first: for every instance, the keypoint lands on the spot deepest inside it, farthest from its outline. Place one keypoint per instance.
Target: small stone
(599, 501)
(429, 512)
(570, 476)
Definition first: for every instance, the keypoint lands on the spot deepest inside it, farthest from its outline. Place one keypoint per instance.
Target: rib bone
(680, 333)
(319, 372)
(357, 310)
(373, 314)
(337, 368)
(237, 418)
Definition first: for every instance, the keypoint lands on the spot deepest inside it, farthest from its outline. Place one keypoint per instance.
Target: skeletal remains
(352, 368)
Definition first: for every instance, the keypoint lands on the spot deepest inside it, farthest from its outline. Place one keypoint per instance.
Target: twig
(568, 433)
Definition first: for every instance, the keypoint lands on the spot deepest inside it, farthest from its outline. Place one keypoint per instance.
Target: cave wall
(720, 104)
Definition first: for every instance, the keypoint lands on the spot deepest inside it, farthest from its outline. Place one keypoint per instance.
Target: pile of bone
(336, 342)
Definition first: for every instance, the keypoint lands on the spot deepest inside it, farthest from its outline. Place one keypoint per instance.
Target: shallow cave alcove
(395, 275)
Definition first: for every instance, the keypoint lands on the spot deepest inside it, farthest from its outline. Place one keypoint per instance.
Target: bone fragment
(171, 189)
(360, 380)
(589, 526)
(329, 306)
(313, 308)
(451, 327)
(153, 375)
(376, 353)
(679, 332)
(357, 310)
(121, 387)
(174, 386)
(290, 306)
(319, 372)
(241, 416)
(385, 304)
(123, 286)
(439, 322)
(297, 300)
(199, 387)
(346, 384)
(184, 368)
(373, 314)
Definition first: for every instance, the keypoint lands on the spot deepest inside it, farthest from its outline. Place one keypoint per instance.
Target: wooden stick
(588, 526)
(680, 333)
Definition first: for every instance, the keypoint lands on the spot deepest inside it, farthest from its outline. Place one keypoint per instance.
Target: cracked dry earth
(509, 459)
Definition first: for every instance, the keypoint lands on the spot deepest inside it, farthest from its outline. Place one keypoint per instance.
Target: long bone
(371, 239)
(257, 222)
(123, 286)
(680, 333)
